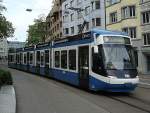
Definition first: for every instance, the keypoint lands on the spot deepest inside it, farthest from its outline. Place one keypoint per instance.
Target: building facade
(125, 15)
(3, 49)
(145, 30)
(76, 12)
(54, 21)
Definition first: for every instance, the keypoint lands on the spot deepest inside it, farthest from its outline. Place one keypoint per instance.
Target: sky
(21, 19)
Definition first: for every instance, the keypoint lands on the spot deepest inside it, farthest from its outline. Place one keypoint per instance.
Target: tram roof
(108, 32)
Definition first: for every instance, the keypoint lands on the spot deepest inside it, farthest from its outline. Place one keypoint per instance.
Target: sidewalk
(7, 99)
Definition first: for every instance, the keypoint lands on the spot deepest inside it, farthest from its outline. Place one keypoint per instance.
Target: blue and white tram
(96, 60)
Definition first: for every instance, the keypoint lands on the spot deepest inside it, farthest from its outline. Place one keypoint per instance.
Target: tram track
(132, 101)
(132, 105)
(127, 99)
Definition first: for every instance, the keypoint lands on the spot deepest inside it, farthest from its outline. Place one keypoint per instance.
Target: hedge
(5, 77)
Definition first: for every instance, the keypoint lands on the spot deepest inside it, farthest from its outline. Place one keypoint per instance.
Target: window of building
(64, 59)
(72, 30)
(57, 59)
(60, 34)
(87, 26)
(87, 10)
(79, 14)
(146, 37)
(146, 17)
(92, 5)
(97, 4)
(131, 11)
(128, 12)
(66, 18)
(131, 31)
(71, 3)
(79, 27)
(72, 16)
(113, 17)
(66, 30)
(98, 21)
(124, 12)
(93, 22)
(57, 26)
(72, 59)
(66, 6)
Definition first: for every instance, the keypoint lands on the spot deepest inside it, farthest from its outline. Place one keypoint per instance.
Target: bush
(5, 78)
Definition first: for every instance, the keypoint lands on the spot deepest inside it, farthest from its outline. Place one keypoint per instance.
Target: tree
(37, 31)
(6, 27)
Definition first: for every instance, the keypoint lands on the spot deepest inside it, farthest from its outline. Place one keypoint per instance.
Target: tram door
(84, 66)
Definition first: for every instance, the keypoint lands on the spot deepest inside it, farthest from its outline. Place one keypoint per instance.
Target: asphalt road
(41, 95)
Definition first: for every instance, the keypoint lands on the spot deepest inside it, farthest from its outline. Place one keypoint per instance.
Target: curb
(7, 99)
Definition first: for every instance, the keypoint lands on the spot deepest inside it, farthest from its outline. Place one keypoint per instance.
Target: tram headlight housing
(113, 77)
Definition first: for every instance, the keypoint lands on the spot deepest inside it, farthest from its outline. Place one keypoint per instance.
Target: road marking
(144, 83)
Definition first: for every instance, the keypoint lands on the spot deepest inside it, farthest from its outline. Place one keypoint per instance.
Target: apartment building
(145, 29)
(54, 21)
(77, 12)
(125, 15)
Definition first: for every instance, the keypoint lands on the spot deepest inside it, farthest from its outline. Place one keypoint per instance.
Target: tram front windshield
(117, 56)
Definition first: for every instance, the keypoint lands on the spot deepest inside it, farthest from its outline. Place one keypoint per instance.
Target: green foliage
(37, 32)
(6, 28)
(5, 77)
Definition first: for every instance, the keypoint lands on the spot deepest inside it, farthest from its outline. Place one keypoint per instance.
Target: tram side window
(21, 58)
(57, 59)
(31, 58)
(38, 56)
(18, 58)
(72, 59)
(64, 59)
(47, 56)
(97, 66)
(10, 58)
(42, 58)
(25, 58)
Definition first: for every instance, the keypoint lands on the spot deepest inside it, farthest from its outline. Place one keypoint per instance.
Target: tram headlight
(112, 77)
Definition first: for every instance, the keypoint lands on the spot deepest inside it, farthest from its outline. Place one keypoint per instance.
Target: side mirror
(95, 49)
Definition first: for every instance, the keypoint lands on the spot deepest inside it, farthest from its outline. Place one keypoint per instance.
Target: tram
(96, 60)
